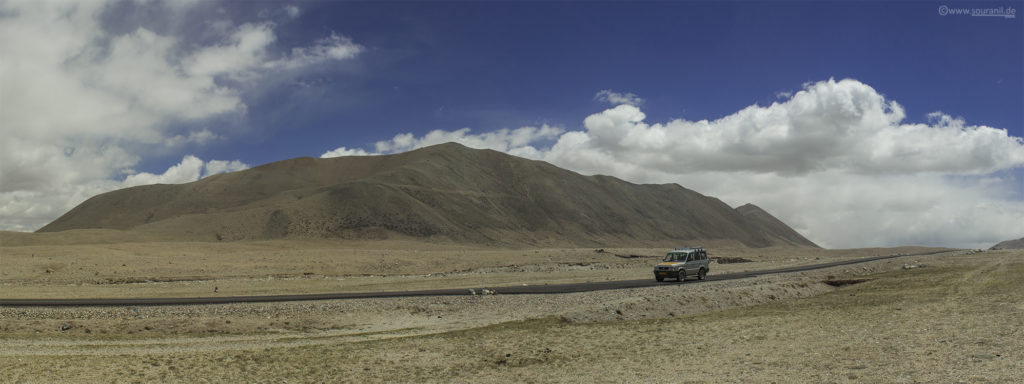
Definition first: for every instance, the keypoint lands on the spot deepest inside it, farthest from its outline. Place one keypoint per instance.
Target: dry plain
(956, 319)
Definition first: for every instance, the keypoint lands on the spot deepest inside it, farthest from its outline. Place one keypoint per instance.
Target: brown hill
(445, 192)
(1009, 244)
(772, 227)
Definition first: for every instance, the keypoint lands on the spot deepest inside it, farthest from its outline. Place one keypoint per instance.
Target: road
(510, 290)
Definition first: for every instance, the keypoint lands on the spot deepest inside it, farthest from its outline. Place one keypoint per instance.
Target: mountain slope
(446, 191)
(772, 227)
(1009, 244)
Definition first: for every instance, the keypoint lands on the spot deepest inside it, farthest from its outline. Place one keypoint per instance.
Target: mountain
(445, 192)
(772, 227)
(1009, 244)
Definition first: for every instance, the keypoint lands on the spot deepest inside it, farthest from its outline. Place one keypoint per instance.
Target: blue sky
(174, 91)
(489, 66)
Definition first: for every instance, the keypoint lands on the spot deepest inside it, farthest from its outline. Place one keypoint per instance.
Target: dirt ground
(162, 269)
(951, 318)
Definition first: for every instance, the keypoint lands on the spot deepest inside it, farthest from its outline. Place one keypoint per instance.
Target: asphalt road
(510, 290)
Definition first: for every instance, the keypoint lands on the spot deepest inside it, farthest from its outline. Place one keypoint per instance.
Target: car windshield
(675, 256)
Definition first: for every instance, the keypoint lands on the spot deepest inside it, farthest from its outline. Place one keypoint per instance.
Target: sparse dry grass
(934, 324)
(167, 269)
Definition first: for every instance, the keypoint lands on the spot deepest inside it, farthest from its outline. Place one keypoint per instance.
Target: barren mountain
(446, 192)
(1010, 244)
(771, 226)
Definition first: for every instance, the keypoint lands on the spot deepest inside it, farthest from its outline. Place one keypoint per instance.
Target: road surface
(510, 290)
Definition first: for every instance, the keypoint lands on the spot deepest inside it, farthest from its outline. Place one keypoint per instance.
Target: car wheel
(682, 275)
(659, 278)
(703, 274)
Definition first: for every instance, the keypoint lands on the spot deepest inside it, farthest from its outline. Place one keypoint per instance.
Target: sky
(859, 124)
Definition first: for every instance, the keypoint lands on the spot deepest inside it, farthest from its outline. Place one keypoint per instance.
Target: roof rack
(689, 247)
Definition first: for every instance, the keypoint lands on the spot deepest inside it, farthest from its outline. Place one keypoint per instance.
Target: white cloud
(214, 167)
(333, 47)
(190, 169)
(844, 210)
(515, 141)
(244, 54)
(287, 12)
(30, 208)
(240, 53)
(836, 161)
(342, 151)
(200, 137)
(82, 105)
(830, 125)
(292, 11)
(616, 98)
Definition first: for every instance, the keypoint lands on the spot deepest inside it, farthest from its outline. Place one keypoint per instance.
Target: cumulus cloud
(842, 210)
(244, 53)
(830, 125)
(288, 11)
(333, 47)
(292, 11)
(835, 160)
(616, 98)
(25, 209)
(199, 137)
(190, 169)
(83, 103)
(238, 54)
(513, 141)
(342, 151)
(214, 167)
(187, 170)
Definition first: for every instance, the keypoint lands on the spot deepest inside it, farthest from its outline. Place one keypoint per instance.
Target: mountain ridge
(446, 191)
(1009, 244)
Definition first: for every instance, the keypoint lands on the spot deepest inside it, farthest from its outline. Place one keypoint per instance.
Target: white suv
(683, 262)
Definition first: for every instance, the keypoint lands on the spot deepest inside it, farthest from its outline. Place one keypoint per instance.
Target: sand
(189, 269)
(941, 322)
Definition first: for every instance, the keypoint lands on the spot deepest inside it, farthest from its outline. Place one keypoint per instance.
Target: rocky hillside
(1010, 244)
(446, 192)
(771, 226)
